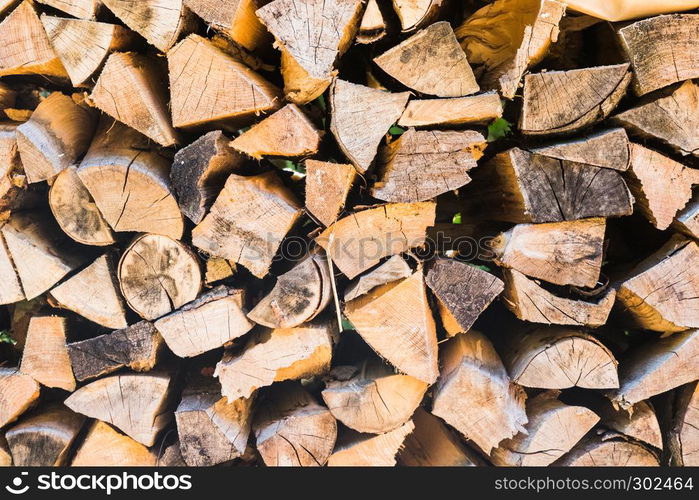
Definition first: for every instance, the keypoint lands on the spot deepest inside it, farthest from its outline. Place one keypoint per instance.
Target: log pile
(347, 233)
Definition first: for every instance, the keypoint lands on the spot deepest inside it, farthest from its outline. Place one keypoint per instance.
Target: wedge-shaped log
(372, 27)
(160, 22)
(211, 429)
(13, 181)
(236, 19)
(18, 392)
(292, 429)
(564, 253)
(310, 48)
(463, 292)
(76, 211)
(552, 430)
(45, 356)
(137, 346)
(608, 149)
(359, 241)
(551, 106)
(396, 321)
(432, 444)
(129, 182)
(508, 37)
(83, 45)
(248, 221)
(393, 269)
(431, 62)
(372, 398)
(530, 301)
(213, 319)
(663, 50)
(11, 291)
(658, 366)
(298, 296)
(199, 172)
(137, 404)
(367, 450)
(660, 294)
(288, 132)
(130, 89)
(420, 165)
(360, 117)
(414, 14)
(327, 187)
(218, 269)
(638, 422)
(83, 9)
(608, 450)
(198, 63)
(682, 428)
(452, 112)
(94, 294)
(43, 439)
(276, 355)
(158, 275)
(559, 358)
(104, 446)
(26, 49)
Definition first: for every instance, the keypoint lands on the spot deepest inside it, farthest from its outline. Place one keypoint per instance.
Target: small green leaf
(289, 166)
(498, 129)
(456, 219)
(5, 338)
(481, 267)
(346, 324)
(396, 131)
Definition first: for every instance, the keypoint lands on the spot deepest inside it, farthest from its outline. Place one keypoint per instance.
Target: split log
(552, 430)
(431, 62)
(292, 429)
(474, 394)
(608, 149)
(160, 22)
(211, 429)
(639, 422)
(508, 37)
(130, 89)
(661, 293)
(248, 221)
(372, 27)
(82, 9)
(17, 393)
(463, 292)
(218, 269)
(687, 219)
(396, 321)
(393, 269)
(367, 450)
(658, 366)
(414, 14)
(56, 135)
(236, 19)
(276, 355)
(287, 132)
(135, 403)
(44, 438)
(661, 185)
(360, 117)
(26, 50)
(11, 291)
(359, 241)
(309, 48)
(103, 446)
(452, 112)
(137, 346)
(199, 172)
(432, 444)
(663, 50)
(14, 194)
(609, 450)
(5, 455)
(682, 429)
(213, 319)
(94, 294)
(76, 212)
(551, 106)
(298, 296)
(158, 275)
(420, 165)
(129, 182)
(327, 187)
(83, 46)
(372, 398)
(558, 358)
(564, 253)
(40, 253)
(45, 356)
(530, 301)
(228, 93)
(519, 186)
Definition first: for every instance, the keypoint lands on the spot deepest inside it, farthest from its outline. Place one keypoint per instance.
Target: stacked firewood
(347, 232)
